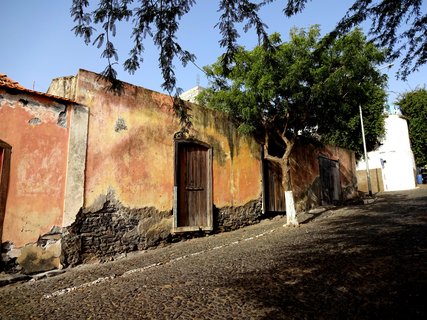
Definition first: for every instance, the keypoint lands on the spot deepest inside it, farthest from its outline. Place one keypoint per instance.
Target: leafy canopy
(399, 25)
(302, 88)
(413, 105)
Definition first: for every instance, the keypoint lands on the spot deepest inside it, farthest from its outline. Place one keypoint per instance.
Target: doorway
(330, 184)
(193, 186)
(5, 153)
(273, 191)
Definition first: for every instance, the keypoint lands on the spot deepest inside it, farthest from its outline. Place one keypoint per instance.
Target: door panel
(330, 181)
(274, 193)
(5, 152)
(194, 200)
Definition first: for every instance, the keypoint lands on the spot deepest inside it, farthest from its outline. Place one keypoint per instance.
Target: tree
(399, 25)
(413, 105)
(301, 89)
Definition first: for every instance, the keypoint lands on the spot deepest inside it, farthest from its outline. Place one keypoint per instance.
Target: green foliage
(413, 105)
(399, 25)
(303, 88)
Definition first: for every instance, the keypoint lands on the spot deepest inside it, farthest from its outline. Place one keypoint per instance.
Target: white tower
(398, 162)
(394, 157)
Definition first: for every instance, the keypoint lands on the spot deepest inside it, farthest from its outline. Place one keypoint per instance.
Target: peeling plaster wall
(129, 177)
(63, 87)
(48, 139)
(76, 164)
(131, 150)
(130, 155)
(35, 129)
(100, 183)
(236, 159)
(305, 173)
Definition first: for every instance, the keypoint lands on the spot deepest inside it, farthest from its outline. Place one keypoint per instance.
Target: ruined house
(42, 156)
(91, 174)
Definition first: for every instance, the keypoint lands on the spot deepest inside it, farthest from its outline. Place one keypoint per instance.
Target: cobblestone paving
(359, 262)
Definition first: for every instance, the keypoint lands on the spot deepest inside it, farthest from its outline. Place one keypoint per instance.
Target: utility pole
(368, 173)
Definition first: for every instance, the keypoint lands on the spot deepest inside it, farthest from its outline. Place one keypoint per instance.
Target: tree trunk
(284, 162)
(291, 219)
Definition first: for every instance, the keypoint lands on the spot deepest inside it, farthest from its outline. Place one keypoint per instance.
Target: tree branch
(267, 155)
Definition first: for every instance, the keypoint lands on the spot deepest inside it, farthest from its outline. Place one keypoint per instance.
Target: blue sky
(38, 44)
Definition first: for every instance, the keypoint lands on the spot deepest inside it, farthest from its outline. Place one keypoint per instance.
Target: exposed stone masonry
(113, 230)
(231, 218)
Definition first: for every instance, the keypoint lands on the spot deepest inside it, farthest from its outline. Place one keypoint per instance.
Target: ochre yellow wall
(136, 162)
(38, 165)
(377, 182)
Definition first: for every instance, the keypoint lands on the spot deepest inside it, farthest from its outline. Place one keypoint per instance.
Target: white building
(191, 94)
(394, 160)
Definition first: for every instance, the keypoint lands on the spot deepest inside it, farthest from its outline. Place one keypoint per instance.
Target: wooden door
(273, 193)
(330, 181)
(193, 181)
(5, 152)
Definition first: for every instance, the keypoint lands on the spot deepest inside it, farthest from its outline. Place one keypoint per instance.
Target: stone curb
(6, 279)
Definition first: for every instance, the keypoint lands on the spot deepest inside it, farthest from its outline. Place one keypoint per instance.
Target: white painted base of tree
(291, 215)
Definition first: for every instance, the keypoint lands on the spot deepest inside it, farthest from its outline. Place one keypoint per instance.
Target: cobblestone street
(359, 262)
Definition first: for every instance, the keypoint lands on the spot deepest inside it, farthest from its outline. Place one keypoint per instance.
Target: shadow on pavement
(369, 263)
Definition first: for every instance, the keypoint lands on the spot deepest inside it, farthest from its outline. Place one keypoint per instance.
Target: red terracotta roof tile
(8, 82)
(5, 81)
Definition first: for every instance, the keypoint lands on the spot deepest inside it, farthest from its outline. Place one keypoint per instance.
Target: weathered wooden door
(330, 181)
(273, 192)
(5, 152)
(193, 183)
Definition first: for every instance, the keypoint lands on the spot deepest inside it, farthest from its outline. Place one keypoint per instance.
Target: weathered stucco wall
(76, 163)
(130, 168)
(45, 190)
(129, 181)
(37, 129)
(131, 150)
(90, 183)
(236, 166)
(305, 173)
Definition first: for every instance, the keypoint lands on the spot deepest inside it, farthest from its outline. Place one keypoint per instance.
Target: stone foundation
(113, 230)
(231, 218)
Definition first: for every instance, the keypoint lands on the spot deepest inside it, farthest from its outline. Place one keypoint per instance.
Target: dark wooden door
(330, 181)
(194, 185)
(274, 194)
(5, 152)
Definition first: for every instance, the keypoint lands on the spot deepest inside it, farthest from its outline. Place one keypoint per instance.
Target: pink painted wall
(29, 123)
